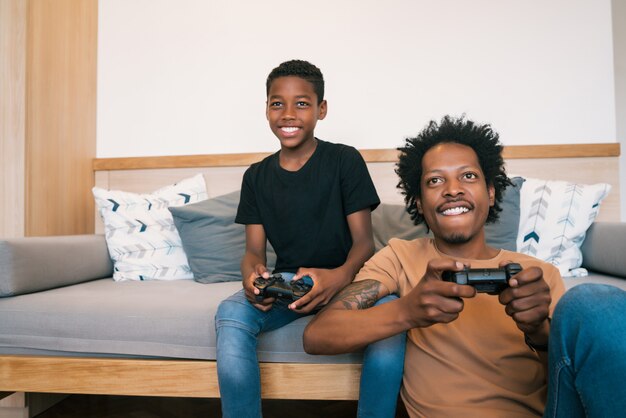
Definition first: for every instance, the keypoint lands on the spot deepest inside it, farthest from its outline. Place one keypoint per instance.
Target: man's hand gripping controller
(491, 281)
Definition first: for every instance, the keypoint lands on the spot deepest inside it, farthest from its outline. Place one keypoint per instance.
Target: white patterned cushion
(140, 233)
(554, 218)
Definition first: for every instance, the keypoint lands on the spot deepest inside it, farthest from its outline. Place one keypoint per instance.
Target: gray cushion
(213, 242)
(603, 248)
(595, 278)
(150, 318)
(39, 263)
(503, 232)
(392, 221)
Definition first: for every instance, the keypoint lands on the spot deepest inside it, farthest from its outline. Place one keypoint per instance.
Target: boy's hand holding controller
(527, 301)
(251, 291)
(434, 301)
(326, 284)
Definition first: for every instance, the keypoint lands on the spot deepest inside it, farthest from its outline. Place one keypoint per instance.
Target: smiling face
(293, 111)
(455, 198)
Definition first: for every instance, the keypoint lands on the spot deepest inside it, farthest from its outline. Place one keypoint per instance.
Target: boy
(312, 200)
(468, 354)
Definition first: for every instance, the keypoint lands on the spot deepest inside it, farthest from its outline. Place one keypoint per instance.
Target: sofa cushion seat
(147, 319)
(596, 278)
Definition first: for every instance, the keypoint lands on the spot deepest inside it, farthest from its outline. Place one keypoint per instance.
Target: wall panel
(12, 116)
(60, 116)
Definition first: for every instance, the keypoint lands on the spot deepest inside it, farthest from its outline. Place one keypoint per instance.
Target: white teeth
(455, 211)
(289, 129)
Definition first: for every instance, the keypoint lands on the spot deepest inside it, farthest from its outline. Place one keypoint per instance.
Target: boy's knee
(585, 298)
(232, 313)
(586, 305)
(226, 310)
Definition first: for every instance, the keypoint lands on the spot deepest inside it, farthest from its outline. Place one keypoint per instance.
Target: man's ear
(418, 205)
(491, 190)
(323, 109)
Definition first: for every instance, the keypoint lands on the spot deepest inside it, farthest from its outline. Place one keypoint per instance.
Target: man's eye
(434, 180)
(470, 176)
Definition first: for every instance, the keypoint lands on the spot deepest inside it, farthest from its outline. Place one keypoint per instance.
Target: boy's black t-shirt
(304, 212)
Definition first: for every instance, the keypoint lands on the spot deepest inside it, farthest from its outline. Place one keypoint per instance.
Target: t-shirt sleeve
(384, 267)
(552, 276)
(356, 183)
(247, 211)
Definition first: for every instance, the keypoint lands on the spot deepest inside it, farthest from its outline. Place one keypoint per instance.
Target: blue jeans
(587, 356)
(239, 324)
(381, 374)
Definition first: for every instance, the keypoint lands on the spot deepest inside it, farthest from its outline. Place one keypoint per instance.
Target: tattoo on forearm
(359, 295)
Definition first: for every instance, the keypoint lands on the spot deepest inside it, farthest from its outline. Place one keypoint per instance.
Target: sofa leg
(14, 405)
(5, 394)
(27, 405)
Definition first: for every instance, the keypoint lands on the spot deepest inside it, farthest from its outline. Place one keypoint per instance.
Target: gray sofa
(59, 305)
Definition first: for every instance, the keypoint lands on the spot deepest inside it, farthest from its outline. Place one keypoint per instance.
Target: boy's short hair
(301, 69)
(481, 138)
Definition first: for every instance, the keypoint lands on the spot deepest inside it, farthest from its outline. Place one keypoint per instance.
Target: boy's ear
(323, 109)
(267, 111)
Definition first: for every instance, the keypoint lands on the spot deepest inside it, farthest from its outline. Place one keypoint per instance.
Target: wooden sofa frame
(583, 163)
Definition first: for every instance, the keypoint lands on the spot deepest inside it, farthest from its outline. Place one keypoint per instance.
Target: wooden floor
(91, 406)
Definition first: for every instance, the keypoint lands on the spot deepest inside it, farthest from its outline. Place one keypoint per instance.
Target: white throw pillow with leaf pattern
(140, 233)
(554, 218)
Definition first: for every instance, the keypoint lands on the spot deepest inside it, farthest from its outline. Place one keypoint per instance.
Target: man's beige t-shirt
(477, 365)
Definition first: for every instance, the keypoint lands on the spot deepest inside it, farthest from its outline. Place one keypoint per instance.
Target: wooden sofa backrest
(581, 163)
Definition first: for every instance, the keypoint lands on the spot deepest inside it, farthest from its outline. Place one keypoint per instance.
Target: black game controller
(275, 287)
(491, 281)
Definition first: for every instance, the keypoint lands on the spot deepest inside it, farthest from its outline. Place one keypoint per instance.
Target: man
(467, 354)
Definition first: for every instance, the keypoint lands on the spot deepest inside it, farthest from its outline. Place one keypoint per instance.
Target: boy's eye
(275, 104)
(302, 104)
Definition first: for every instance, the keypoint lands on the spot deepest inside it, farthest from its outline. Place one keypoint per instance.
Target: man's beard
(456, 238)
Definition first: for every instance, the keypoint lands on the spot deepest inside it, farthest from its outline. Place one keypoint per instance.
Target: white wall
(188, 76)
